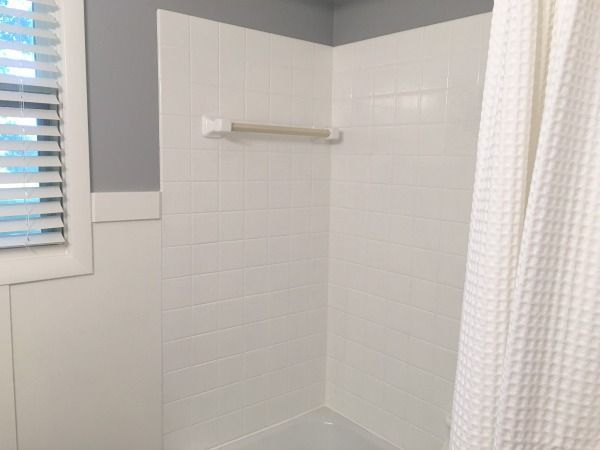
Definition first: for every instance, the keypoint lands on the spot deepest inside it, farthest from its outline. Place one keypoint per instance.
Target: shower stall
(316, 212)
(299, 272)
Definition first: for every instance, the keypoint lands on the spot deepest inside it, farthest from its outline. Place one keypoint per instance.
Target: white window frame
(21, 265)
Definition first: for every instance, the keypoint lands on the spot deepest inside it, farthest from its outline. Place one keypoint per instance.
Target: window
(30, 164)
(44, 175)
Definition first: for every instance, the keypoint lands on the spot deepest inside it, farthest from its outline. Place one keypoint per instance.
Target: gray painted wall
(355, 20)
(123, 74)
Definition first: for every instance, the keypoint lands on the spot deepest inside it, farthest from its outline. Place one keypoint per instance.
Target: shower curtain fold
(528, 372)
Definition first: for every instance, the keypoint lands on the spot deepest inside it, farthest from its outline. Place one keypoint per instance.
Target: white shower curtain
(528, 373)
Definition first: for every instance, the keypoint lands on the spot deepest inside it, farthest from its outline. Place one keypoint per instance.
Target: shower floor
(322, 429)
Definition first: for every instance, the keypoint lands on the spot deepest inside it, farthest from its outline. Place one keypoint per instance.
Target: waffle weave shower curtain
(528, 374)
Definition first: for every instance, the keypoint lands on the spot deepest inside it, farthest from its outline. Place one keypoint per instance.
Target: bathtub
(322, 429)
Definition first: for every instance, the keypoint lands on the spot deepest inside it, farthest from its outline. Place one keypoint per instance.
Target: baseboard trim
(125, 206)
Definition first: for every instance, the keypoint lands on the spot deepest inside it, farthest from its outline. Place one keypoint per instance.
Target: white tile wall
(261, 235)
(245, 231)
(401, 181)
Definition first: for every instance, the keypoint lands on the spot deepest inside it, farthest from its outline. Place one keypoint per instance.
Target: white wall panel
(8, 431)
(87, 349)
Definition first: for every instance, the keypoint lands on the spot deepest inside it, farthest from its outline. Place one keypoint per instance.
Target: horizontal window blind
(31, 181)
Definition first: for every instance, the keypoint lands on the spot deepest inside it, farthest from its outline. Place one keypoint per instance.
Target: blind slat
(38, 81)
(39, 49)
(28, 97)
(27, 209)
(27, 31)
(32, 239)
(25, 193)
(42, 223)
(39, 16)
(30, 146)
(29, 161)
(30, 113)
(25, 64)
(30, 130)
(43, 2)
(30, 177)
